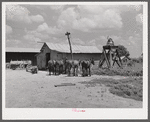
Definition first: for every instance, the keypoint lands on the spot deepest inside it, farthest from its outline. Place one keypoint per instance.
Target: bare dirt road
(26, 90)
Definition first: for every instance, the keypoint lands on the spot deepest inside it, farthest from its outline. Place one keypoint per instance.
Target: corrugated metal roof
(75, 48)
(28, 50)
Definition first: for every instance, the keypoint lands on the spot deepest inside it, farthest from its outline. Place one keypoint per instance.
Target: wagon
(32, 69)
(19, 64)
(14, 66)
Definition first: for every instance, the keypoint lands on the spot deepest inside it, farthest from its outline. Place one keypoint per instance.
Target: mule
(52, 67)
(59, 66)
(56, 66)
(65, 65)
(86, 66)
(72, 64)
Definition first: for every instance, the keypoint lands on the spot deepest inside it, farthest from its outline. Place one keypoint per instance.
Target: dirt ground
(26, 90)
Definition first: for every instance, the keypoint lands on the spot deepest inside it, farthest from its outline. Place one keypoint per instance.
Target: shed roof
(75, 48)
(24, 50)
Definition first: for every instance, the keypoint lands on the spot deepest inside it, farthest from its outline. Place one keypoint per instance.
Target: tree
(123, 51)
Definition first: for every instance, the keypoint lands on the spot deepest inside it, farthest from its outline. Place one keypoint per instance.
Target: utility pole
(67, 34)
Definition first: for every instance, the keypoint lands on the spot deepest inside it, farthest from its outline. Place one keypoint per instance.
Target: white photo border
(67, 113)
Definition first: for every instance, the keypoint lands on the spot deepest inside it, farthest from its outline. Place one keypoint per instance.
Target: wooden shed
(14, 54)
(60, 51)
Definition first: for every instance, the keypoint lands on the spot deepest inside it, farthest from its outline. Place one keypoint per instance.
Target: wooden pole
(107, 62)
(101, 63)
(67, 34)
(110, 59)
(119, 57)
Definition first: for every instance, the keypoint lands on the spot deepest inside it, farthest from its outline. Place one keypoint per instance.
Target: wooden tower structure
(110, 54)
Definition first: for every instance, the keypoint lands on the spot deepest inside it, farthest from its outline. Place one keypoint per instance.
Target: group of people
(65, 66)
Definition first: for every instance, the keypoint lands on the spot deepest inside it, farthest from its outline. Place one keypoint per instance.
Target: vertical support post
(119, 58)
(110, 58)
(67, 34)
(107, 62)
(101, 63)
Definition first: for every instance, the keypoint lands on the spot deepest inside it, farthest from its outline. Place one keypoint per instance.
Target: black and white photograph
(74, 60)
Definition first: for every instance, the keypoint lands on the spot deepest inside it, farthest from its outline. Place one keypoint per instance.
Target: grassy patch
(128, 87)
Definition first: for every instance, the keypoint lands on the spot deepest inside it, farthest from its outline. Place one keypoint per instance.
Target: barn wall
(54, 54)
(39, 61)
(14, 56)
(57, 55)
(41, 58)
(82, 56)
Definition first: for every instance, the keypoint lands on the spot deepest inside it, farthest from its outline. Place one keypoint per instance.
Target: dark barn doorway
(47, 58)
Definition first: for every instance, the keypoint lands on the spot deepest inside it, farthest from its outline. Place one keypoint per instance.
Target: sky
(27, 25)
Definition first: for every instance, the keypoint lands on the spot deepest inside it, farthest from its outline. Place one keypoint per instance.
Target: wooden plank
(118, 63)
(102, 62)
(114, 62)
(110, 59)
(110, 47)
(65, 84)
(119, 57)
(107, 62)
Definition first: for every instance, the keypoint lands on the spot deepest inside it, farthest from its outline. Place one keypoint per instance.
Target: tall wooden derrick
(110, 54)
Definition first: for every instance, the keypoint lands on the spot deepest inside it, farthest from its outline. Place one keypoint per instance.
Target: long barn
(14, 54)
(60, 51)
